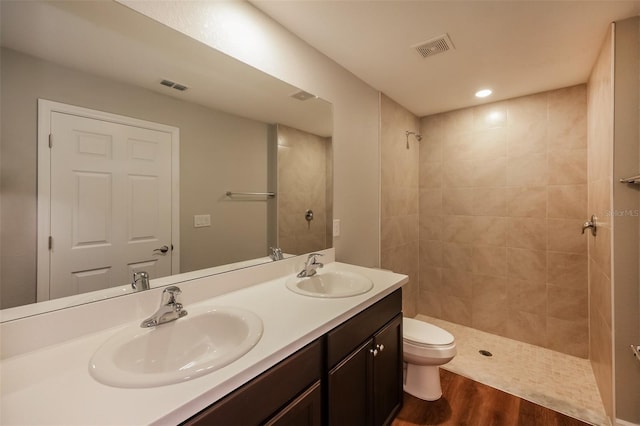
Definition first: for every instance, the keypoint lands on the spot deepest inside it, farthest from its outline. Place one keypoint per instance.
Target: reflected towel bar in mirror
(250, 194)
(632, 179)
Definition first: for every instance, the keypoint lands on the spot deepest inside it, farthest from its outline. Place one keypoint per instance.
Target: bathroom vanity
(320, 360)
(357, 366)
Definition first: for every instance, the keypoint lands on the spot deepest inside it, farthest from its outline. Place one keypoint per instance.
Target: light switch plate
(201, 220)
(336, 227)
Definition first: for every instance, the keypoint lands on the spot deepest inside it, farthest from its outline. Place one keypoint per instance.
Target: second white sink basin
(331, 284)
(205, 340)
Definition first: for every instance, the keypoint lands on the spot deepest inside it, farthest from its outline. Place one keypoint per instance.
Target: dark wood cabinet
(387, 372)
(350, 376)
(366, 387)
(273, 392)
(304, 410)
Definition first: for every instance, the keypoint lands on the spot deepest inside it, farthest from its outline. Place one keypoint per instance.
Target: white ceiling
(110, 40)
(514, 47)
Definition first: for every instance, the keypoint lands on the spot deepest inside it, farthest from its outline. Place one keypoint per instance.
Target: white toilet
(426, 347)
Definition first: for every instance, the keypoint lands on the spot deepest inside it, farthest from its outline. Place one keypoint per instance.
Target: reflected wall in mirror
(233, 123)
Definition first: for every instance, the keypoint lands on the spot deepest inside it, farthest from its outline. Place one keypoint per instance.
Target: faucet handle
(170, 294)
(312, 257)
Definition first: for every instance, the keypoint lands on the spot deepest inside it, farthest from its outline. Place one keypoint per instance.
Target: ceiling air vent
(174, 85)
(302, 95)
(434, 46)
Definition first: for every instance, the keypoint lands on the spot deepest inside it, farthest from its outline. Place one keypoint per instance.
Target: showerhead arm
(418, 136)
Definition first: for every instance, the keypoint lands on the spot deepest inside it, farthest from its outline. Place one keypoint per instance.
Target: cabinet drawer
(259, 399)
(343, 339)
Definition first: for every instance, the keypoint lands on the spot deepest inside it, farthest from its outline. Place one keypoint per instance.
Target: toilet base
(423, 381)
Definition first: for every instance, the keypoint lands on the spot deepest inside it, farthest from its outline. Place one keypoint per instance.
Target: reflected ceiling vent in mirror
(174, 85)
(436, 45)
(302, 95)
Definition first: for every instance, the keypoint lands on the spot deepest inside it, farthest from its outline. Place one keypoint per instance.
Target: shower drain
(485, 353)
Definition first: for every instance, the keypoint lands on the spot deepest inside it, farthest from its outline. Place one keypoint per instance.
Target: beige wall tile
(430, 202)
(430, 302)
(457, 256)
(456, 309)
(567, 201)
(431, 279)
(458, 147)
(527, 296)
(492, 319)
(567, 303)
(430, 227)
(489, 116)
(527, 170)
(567, 270)
(457, 283)
(458, 229)
(489, 260)
(430, 148)
(528, 109)
(568, 167)
(458, 174)
(568, 336)
(431, 252)
(490, 201)
(490, 230)
(565, 235)
(527, 327)
(527, 201)
(528, 265)
(430, 176)
(526, 139)
(527, 233)
(458, 201)
(489, 144)
(488, 172)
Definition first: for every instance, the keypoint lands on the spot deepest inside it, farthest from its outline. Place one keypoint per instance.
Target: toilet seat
(425, 335)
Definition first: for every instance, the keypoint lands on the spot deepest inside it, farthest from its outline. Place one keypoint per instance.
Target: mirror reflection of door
(110, 206)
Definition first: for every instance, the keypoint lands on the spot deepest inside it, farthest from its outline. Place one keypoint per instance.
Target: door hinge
(50, 242)
(50, 140)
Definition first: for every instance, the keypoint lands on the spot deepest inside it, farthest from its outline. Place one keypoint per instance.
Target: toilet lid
(423, 333)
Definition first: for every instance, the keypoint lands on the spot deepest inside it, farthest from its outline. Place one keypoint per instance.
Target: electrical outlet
(201, 220)
(336, 227)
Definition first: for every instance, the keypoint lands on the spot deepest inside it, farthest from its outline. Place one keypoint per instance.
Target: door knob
(162, 249)
(591, 224)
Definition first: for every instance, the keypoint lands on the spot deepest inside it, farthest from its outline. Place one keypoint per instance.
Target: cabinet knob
(377, 349)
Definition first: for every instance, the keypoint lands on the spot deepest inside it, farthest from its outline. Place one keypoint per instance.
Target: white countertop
(52, 385)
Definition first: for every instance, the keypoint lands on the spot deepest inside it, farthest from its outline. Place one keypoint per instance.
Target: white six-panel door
(110, 203)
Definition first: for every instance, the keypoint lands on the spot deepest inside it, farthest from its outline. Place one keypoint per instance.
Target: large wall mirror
(249, 162)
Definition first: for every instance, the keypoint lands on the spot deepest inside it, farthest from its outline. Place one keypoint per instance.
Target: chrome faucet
(310, 266)
(275, 253)
(140, 281)
(170, 309)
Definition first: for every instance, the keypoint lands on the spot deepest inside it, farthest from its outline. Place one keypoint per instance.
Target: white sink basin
(331, 284)
(205, 340)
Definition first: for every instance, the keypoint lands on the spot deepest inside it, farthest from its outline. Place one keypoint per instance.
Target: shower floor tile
(563, 383)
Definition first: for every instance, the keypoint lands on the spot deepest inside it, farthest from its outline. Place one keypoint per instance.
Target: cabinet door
(387, 372)
(305, 410)
(349, 388)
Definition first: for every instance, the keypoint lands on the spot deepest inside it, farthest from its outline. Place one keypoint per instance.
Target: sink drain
(485, 353)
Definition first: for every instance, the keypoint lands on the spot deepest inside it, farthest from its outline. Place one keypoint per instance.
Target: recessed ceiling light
(483, 93)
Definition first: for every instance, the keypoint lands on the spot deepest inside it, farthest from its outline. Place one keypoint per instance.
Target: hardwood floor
(465, 402)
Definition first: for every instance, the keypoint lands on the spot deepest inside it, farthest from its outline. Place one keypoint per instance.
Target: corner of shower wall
(600, 167)
(399, 226)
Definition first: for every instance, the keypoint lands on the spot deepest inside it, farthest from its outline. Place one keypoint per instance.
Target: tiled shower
(485, 216)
